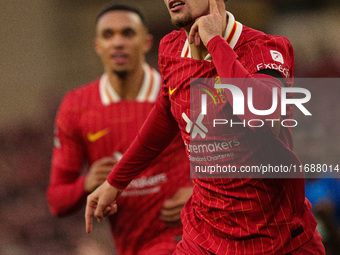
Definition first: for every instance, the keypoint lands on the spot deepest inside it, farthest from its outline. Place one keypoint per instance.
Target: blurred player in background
(95, 125)
(224, 215)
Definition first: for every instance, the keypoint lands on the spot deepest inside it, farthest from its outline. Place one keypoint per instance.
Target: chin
(121, 73)
(182, 21)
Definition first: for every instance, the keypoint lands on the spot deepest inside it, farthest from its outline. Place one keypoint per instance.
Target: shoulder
(173, 42)
(76, 99)
(258, 50)
(174, 36)
(72, 105)
(83, 90)
(253, 36)
(78, 94)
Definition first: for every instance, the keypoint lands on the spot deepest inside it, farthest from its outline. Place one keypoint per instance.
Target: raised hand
(208, 26)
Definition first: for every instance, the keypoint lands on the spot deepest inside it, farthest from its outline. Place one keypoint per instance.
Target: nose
(118, 41)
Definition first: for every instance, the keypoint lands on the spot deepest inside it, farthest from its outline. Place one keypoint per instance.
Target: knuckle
(97, 214)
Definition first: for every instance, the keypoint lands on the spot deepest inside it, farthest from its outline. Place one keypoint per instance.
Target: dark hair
(121, 7)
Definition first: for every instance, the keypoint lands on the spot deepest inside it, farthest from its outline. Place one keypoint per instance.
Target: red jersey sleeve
(157, 132)
(66, 192)
(228, 66)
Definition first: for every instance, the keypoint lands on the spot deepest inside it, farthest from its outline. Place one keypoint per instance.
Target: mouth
(119, 58)
(175, 5)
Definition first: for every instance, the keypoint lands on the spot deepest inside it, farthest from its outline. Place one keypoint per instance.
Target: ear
(95, 46)
(148, 43)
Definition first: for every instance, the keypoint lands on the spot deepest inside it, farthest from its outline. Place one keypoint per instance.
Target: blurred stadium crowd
(27, 227)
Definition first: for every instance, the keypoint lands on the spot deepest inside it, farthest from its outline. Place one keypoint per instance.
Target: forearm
(158, 131)
(65, 194)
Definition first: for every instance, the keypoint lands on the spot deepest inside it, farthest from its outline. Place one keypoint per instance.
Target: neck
(200, 52)
(127, 86)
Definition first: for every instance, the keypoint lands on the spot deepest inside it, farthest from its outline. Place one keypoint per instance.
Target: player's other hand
(101, 203)
(171, 210)
(98, 173)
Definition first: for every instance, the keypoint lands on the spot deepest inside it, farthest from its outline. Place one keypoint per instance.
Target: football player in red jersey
(97, 122)
(224, 215)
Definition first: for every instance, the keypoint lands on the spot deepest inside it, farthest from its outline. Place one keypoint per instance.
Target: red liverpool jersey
(232, 216)
(93, 122)
(239, 216)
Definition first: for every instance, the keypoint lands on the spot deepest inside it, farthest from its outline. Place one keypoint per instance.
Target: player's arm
(209, 29)
(65, 192)
(228, 66)
(68, 189)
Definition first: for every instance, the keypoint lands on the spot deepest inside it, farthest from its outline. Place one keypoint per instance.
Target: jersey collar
(232, 35)
(147, 93)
